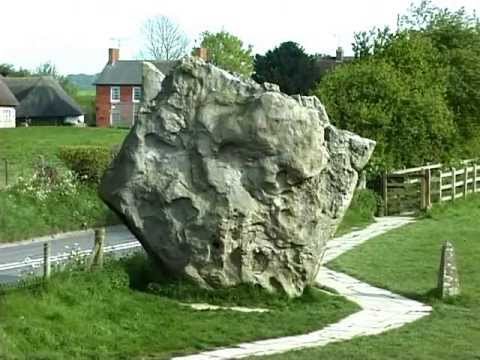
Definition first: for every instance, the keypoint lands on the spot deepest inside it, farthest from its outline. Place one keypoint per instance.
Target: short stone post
(46, 260)
(448, 281)
(97, 254)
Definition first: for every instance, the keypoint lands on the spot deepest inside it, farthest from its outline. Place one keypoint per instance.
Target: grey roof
(6, 96)
(129, 72)
(42, 97)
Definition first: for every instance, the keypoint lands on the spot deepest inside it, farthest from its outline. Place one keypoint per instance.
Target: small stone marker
(448, 282)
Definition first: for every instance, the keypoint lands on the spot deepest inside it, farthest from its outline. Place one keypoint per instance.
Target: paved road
(20, 258)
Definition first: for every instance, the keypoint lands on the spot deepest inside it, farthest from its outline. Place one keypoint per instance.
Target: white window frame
(133, 94)
(111, 94)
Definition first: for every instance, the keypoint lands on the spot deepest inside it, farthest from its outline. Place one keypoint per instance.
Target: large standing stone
(227, 181)
(448, 282)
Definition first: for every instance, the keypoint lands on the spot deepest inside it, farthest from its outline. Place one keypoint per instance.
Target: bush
(87, 162)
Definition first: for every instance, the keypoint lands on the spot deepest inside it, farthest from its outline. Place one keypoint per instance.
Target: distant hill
(82, 81)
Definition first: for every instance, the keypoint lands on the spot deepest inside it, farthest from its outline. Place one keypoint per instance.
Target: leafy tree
(370, 42)
(288, 66)
(416, 91)
(228, 52)
(164, 40)
(396, 98)
(11, 71)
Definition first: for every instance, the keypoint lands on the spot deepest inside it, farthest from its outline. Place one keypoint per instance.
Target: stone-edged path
(381, 311)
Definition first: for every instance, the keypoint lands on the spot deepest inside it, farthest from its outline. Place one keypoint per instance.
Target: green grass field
(406, 261)
(21, 146)
(85, 315)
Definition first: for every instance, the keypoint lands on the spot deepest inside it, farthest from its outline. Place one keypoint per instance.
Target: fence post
(454, 183)
(474, 178)
(465, 182)
(428, 181)
(440, 184)
(46, 260)
(423, 191)
(385, 193)
(97, 255)
(6, 172)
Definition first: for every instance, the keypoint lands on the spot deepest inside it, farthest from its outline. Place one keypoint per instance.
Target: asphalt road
(18, 259)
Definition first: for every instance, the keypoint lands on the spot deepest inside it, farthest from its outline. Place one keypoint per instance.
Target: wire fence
(47, 258)
(12, 170)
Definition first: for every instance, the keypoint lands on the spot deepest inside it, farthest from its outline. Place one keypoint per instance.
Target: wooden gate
(410, 190)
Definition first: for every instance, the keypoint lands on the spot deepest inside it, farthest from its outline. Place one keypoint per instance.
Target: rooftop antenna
(118, 41)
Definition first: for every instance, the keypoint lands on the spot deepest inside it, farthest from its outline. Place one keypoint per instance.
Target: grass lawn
(21, 146)
(109, 315)
(406, 261)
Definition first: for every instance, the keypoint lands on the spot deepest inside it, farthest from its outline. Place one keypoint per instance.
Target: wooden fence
(413, 189)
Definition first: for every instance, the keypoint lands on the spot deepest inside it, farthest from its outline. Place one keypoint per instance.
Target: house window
(115, 117)
(115, 93)
(137, 94)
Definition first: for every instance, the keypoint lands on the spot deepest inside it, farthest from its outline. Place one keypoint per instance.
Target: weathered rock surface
(227, 181)
(448, 281)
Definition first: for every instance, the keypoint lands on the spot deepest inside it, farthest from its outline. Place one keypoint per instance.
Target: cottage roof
(6, 96)
(129, 72)
(42, 97)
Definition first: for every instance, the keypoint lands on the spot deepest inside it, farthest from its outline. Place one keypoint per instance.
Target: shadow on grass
(146, 276)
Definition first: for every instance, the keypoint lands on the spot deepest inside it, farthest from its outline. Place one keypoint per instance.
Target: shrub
(87, 162)
(46, 182)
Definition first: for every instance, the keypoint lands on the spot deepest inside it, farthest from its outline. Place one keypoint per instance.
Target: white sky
(75, 35)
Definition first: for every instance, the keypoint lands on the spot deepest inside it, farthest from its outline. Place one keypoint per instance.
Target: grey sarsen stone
(227, 181)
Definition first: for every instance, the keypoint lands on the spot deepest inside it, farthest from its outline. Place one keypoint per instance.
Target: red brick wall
(126, 94)
(103, 103)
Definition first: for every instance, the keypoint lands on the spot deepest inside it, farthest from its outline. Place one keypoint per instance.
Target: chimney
(339, 57)
(113, 55)
(202, 53)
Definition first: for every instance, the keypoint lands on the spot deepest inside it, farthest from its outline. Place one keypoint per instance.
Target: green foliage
(11, 71)
(397, 100)
(364, 206)
(87, 162)
(228, 52)
(288, 66)
(414, 91)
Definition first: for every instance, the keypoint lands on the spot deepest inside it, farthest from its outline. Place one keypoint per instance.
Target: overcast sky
(75, 35)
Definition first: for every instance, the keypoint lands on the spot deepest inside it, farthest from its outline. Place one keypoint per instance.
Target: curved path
(381, 311)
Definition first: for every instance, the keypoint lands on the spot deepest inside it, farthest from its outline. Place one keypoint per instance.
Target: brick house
(119, 89)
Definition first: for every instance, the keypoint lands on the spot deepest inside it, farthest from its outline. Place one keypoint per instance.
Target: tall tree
(397, 99)
(11, 71)
(164, 40)
(228, 52)
(289, 66)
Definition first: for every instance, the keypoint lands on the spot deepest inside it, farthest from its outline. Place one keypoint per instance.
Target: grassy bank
(111, 315)
(25, 210)
(406, 261)
(360, 213)
(23, 216)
